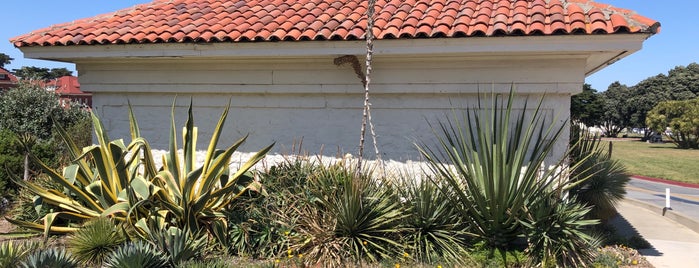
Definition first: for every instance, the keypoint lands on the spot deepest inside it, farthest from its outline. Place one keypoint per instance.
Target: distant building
(7, 80)
(68, 89)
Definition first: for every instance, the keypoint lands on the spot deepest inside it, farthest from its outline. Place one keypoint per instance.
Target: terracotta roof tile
(176, 21)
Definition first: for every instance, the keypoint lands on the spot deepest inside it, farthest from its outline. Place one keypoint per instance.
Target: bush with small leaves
(205, 264)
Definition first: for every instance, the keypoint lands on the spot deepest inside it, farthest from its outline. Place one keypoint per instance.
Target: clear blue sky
(677, 43)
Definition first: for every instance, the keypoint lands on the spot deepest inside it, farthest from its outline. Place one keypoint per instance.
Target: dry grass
(658, 160)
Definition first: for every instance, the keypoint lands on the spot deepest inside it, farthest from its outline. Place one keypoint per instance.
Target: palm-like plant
(605, 178)
(557, 234)
(95, 241)
(497, 163)
(346, 217)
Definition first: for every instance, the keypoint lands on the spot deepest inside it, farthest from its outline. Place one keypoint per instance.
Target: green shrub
(205, 264)
(481, 255)
(92, 243)
(30, 110)
(50, 258)
(12, 159)
(681, 118)
(256, 230)
(137, 254)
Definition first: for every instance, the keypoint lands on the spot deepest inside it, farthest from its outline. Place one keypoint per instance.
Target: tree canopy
(587, 107)
(627, 106)
(5, 59)
(682, 117)
(29, 109)
(40, 73)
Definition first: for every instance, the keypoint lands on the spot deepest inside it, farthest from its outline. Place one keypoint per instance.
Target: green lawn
(658, 160)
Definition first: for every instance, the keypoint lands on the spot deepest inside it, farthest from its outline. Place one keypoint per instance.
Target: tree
(680, 83)
(32, 73)
(29, 111)
(5, 59)
(616, 115)
(682, 117)
(587, 107)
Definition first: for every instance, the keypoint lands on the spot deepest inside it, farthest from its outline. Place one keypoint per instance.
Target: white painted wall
(285, 100)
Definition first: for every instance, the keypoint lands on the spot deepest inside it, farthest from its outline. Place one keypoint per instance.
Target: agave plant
(195, 198)
(113, 180)
(492, 159)
(50, 258)
(103, 181)
(137, 254)
(95, 241)
(12, 252)
(178, 245)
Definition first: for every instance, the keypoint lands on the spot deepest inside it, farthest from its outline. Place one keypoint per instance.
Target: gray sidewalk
(673, 244)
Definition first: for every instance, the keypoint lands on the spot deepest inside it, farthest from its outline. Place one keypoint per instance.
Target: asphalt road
(683, 200)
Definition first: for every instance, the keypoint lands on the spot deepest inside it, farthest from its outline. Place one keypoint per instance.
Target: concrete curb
(676, 183)
(680, 218)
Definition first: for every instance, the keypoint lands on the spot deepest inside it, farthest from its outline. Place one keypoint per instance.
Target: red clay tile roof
(7, 79)
(210, 21)
(66, 85)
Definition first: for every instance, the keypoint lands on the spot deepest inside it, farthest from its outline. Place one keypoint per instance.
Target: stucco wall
(284, 100)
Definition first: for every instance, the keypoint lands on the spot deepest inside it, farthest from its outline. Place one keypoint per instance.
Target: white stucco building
(274, 62)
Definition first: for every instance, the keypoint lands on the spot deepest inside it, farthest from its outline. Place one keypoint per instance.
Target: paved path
(674, 245)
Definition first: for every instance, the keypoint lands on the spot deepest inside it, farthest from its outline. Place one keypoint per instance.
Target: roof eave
(601, 50)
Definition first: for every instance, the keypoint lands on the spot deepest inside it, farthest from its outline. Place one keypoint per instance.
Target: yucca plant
(92, 243)
(13, 252)
(137, 254)
(50, 258)
(557, 233)
(433, 229)
(349, 217)
(497, 163)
